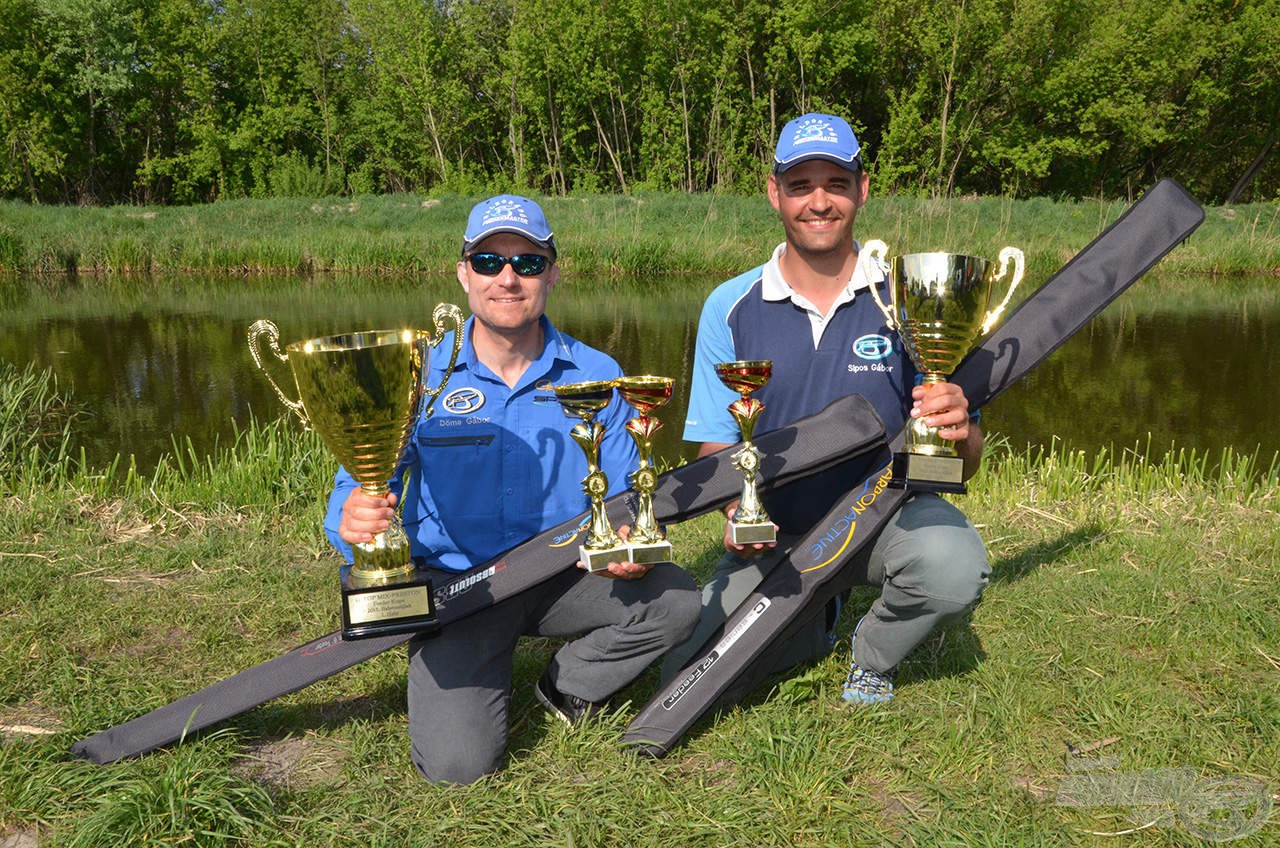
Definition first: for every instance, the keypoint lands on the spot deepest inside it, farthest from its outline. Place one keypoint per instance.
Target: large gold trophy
(362, 393)
(750, 524)
(646, 544)
(584, 400)
(940, 310)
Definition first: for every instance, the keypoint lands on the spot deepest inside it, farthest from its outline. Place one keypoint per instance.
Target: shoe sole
(550, 707)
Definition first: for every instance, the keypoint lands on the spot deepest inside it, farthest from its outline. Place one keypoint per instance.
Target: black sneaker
(567, 708)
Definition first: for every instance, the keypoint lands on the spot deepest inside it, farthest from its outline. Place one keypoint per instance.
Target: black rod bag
(803, 581)
(790, 453)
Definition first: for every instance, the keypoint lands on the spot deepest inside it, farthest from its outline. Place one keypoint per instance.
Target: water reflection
(166, 359)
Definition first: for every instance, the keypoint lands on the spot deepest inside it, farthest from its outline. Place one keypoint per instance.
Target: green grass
(609, 234)
(1132, 600)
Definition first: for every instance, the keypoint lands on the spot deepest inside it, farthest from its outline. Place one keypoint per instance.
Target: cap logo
(815, 129)
(504, 211)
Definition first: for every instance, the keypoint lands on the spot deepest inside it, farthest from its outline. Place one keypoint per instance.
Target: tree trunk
(608, 148)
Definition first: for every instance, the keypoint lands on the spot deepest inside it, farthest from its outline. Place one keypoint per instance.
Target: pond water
(1182, 363)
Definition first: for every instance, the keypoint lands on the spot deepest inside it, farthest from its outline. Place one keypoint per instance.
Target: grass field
(1132, 615)
(614, 234)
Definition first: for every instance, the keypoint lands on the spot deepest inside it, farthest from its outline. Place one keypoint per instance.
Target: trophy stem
(643, 480)
(588, 435)
(602, 534)
(924, 440)
(750, 510)
(384, 560)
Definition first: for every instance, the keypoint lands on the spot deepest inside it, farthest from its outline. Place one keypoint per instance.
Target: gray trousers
(460, 679)
(931, 566)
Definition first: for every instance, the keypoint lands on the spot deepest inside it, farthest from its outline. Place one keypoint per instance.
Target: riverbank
(600, 234)
(1130, 616)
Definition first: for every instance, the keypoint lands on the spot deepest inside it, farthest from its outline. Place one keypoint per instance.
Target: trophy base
(919, 472)
(751, 534)
(649, 553)
(598, 559)
(407, 607)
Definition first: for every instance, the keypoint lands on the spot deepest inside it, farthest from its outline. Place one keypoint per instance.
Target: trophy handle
(1019, 265)
(877, 250)
(453, 315)
(257, 330)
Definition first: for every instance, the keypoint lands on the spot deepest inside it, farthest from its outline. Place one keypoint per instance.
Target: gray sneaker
(864, 686)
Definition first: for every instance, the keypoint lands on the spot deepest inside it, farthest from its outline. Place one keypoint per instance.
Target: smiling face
(818, 202)
(507, 304)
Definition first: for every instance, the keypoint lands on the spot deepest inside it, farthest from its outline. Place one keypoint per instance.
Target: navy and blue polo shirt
(494, 466)
(816, 359)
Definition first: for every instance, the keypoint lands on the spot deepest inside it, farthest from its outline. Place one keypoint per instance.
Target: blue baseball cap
(817, 136)
(508, 213)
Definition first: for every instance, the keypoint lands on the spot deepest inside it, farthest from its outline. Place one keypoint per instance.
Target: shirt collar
(774, 287)
(555, 347)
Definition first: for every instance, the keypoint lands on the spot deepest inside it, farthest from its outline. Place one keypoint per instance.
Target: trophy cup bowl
(750, 524)
(584, 401)
(646, 544)
(362, 394)
(940, 309)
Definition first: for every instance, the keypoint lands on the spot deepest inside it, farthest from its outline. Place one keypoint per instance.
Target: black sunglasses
(524, 264)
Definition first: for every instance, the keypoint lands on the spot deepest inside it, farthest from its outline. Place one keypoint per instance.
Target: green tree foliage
(193, 100)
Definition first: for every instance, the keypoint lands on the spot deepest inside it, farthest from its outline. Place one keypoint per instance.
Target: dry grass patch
(28, 721)
(293, 763)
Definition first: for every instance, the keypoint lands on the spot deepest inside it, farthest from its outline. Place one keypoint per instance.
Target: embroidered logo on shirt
(463, 401)
(873, 346)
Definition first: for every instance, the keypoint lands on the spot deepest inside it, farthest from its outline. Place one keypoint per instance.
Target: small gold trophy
(361, 393)
(750, 524)
(939, 308)
(584, 400)
(646, 543)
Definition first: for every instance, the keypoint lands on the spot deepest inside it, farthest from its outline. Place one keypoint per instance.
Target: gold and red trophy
(750, 524)
(646, 544)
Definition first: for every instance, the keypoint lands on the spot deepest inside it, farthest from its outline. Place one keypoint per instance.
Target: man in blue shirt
(494, 466)
(808, 309)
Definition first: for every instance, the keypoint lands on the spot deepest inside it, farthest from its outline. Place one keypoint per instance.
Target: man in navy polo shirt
(494, 466)
(809, 310)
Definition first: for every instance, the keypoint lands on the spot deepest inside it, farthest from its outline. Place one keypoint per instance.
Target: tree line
(181, 101)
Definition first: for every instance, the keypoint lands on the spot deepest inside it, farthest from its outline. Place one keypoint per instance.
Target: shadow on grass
(1027, 560)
